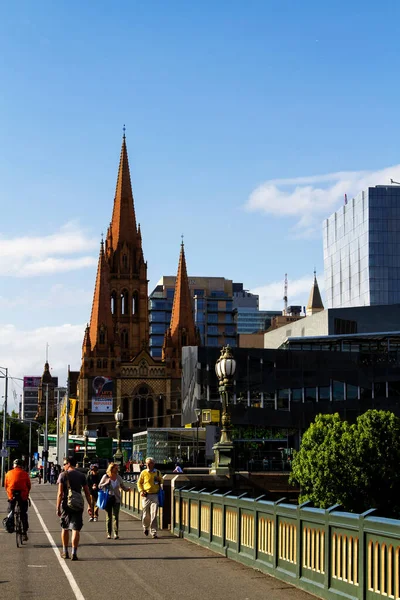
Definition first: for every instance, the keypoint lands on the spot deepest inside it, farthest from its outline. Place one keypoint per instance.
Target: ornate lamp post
(225, 368)
(198, 413)
(85, 456)
(118, 456)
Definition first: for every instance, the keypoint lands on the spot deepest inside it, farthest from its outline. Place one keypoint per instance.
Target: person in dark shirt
(69, 518)
(93, 480)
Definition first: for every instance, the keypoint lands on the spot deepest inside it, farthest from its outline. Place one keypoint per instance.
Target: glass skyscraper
(362, 250)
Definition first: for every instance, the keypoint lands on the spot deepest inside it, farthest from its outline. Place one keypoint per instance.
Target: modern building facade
(279, 392)
(338, 321)
(362, 250)
(212, 303)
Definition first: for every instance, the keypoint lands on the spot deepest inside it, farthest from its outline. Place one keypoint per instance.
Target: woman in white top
(114, 484)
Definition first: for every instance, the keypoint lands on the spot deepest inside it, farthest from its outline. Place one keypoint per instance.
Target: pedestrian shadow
(152, 558)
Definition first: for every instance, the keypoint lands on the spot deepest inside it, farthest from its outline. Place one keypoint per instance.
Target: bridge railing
(329, 553)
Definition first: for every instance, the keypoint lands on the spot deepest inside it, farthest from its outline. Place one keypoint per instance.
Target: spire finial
(182, 239)
(102, 238)
(315, 273)
(47, 352)
(123, 129)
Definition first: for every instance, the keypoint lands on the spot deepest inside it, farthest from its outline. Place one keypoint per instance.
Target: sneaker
(74, 557)
(64, 555)
(108, 536)
(146, 532)
(95, 519)
(154, 536)
(25, 537)
(91, 519)
(116, 536)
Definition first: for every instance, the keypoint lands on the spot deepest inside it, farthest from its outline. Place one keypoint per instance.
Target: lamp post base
(119, 460)
(223, 452)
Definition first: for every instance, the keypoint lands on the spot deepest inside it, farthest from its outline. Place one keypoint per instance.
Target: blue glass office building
(362, 250)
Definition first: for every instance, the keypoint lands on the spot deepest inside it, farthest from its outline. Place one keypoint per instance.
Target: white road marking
(67, 572)
(38, 566)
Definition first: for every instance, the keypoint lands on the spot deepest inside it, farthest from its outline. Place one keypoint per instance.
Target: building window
(124, 261)
(99, 364)
(297, 395)
(105, 364)
(124, 303)
(124, 339)
(344, 326)
(338, 390)
(102, 337)
(135, 303)
(113, 303)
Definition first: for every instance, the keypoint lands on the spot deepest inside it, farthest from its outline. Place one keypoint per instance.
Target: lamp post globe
(118, 456)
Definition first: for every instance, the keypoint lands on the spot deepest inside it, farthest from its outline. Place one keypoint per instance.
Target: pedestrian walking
(93, 480)
(112, 482)
(40, 474)
(149, 484)
(52, 474)
(70, 505)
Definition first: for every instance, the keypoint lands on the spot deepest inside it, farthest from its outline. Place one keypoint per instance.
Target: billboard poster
(102, 389)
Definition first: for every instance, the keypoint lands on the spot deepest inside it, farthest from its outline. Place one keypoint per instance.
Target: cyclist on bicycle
(18, 486)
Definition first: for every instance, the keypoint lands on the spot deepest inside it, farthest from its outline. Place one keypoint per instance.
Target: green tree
(322, 464)
(355, 465)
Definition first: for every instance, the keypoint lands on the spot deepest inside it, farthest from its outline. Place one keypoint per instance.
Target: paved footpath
(132, 567)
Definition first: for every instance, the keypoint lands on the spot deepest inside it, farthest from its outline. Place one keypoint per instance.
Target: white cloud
(302, 198)
(29, 256)
(23, 352)
(271, 294)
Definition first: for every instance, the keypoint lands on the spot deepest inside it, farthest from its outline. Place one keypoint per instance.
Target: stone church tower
(116, 367)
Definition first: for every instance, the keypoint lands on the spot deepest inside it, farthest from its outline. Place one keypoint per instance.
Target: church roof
(101, 307)
(123, 223)
(315, 300)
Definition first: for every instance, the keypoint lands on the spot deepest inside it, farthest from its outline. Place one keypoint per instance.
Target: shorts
(71, 519)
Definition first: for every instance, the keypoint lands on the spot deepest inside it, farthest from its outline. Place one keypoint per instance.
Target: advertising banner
(31, 382)
(102, 389)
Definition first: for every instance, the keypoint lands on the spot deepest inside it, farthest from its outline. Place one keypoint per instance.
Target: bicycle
(19, 531)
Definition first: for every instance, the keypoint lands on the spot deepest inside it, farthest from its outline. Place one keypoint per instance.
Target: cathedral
(116, 368)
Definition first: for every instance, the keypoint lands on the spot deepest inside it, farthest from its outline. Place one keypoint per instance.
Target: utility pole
(4, 444)
(67, 419)
(46, 437)
(30, 446)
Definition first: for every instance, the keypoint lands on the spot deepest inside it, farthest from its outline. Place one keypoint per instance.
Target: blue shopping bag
(161, 498)
(102, 498)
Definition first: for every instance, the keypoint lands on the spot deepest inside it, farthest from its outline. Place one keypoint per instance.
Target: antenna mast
(285, 296)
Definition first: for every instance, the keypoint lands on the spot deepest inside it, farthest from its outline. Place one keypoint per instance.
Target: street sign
(12, 443)
(4, 453)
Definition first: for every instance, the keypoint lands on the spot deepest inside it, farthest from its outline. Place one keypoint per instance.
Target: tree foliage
(357, 466)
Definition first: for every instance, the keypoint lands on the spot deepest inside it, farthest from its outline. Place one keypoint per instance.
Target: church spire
(182, 331)
(123, 222)
(101, 330)
(314, 301)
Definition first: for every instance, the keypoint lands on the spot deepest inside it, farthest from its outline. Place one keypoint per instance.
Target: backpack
(8, 522)
(74, 499)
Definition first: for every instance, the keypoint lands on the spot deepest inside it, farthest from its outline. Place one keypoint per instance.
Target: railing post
(362, 579)
(299, 541)
(276, 530)
(327, 549)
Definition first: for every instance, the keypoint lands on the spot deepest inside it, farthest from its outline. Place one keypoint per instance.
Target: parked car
(34, 472)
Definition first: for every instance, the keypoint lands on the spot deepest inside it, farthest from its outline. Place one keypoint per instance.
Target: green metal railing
(326, 552)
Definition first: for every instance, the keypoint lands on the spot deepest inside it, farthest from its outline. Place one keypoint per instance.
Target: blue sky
(246, 124)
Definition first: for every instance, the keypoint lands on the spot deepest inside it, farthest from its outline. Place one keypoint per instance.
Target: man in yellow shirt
(149, 484)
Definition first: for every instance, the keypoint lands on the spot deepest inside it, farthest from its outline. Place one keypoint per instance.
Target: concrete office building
(338, 321)
(362, 250)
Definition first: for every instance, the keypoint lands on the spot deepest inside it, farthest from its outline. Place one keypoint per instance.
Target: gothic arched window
(124, 303)
(102, 337)
(135, 303)
(124, 339)
(124, 261)
(113, 303)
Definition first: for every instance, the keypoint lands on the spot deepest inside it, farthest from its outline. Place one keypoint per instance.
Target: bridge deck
(132, 567)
